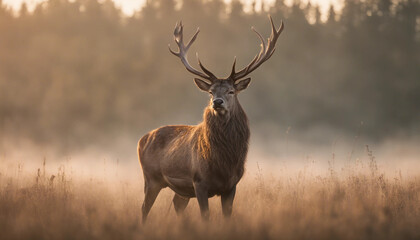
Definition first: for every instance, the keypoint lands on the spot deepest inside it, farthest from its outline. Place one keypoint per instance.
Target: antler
(183, 49)
(267, 50)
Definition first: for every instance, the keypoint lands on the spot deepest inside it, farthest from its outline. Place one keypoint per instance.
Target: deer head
(224, 91)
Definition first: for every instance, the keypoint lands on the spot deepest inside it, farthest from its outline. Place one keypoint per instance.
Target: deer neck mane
(224, 139)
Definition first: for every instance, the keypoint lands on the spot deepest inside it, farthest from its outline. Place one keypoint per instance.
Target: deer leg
(180, 203)
(227, 202)
(151, 191)
(203, 201)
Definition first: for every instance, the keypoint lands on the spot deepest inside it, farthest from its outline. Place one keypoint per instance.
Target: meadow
(356, 201)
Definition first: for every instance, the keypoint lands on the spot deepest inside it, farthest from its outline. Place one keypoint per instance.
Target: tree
(331, 15)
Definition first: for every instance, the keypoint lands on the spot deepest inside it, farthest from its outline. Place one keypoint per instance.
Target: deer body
(207, 159)
(212, 152)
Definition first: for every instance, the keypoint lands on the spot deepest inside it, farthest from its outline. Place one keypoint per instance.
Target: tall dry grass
(358, 201)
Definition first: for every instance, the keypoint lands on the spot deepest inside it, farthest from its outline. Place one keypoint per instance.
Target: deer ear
(202, 84)
(243, 84)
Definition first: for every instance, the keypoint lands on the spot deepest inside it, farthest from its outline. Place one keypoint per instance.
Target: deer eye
(211, 93)
(231, 92)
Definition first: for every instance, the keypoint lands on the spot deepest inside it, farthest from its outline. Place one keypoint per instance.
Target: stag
(206, 159)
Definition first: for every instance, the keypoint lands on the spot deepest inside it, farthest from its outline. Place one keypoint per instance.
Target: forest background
(78, 75)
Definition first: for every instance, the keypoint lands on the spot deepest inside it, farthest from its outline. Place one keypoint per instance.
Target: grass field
(358, 201)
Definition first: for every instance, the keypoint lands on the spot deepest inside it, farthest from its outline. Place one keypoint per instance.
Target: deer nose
(218, 102)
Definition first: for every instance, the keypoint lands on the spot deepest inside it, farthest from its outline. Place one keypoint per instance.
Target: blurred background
(85, 78)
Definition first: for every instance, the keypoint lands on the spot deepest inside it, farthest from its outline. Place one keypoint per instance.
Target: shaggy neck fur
(224, 140)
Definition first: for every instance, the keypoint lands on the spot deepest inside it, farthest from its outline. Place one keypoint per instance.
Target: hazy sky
(129, 6)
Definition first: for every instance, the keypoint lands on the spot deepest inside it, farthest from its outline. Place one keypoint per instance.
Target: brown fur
(226, 141)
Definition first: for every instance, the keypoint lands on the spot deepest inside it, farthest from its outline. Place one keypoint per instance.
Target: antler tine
(183, 49)
(192, 39)
(232, 73)
(263, 46)
(180, 32)
(267, 50)
(206, 71)
(273, 28)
